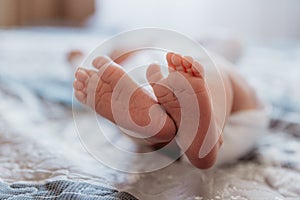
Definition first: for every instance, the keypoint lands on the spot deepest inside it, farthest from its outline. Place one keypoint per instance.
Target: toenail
(176, 59)
(169, 56)
(81, 71)
(186, 63)
(96, 62)
(101, 60)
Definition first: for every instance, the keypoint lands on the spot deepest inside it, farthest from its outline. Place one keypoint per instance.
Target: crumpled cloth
(60, 189)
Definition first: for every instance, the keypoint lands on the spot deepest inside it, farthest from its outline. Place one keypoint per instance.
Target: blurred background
(43, 41)
(254, 19)
(262, 38)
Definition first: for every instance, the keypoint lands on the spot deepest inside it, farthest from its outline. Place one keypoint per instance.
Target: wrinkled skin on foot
(102, 90)
(165, 90)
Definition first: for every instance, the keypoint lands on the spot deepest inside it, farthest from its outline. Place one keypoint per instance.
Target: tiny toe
(78, 85)
(176, 60)
(101, 61)
(82, 74)
(80, 96)
(197, 69)
(169, 60)
(187, 61)
(154, 73)
(169, 56)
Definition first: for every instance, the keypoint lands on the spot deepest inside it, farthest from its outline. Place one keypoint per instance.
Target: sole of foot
(168, 92)
(109, 91)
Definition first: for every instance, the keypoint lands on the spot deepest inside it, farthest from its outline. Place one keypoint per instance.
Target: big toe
(102, 61)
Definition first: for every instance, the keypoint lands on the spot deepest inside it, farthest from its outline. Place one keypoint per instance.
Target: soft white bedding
(38, 139)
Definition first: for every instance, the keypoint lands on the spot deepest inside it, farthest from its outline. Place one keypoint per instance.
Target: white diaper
(241, 132)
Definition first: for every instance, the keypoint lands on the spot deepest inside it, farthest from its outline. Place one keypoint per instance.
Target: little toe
(197, 69)
(154, 73)
(81, 96)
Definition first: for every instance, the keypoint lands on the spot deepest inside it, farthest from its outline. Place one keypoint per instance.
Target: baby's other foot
(105, 90)
(168, 91)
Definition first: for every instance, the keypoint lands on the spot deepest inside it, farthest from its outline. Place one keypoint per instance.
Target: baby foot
(186, 69)
(106, 90)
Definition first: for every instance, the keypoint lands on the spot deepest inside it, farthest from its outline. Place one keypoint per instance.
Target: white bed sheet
(39, 140)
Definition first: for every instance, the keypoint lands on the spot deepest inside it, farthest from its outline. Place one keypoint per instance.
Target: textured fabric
(60, 189)
(242, 131)
(269, 172)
